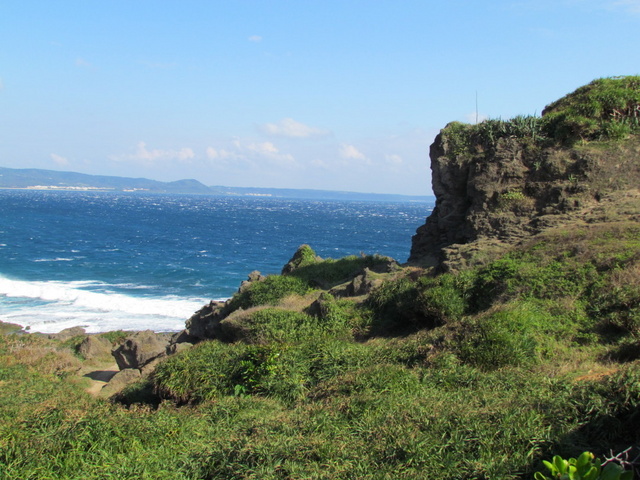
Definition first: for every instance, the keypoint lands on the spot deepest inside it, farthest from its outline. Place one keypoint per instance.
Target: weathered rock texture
(490, 197)
(139, 349)
(93, 347)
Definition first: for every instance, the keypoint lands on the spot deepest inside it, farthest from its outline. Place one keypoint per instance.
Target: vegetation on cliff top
(605, 109)
(358, 368)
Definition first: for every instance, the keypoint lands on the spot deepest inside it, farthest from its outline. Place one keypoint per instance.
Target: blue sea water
(132, 261)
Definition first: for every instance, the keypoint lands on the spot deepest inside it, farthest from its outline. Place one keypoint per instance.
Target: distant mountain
(31, 178)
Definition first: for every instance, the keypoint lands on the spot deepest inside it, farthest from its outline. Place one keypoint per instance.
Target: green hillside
(495, 355)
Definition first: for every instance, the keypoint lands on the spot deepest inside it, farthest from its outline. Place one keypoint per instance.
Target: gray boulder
(93, 346)
(204, 323)
(67, 333)
(139, 349)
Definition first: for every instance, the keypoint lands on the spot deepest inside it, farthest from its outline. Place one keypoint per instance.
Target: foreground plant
(585, 467)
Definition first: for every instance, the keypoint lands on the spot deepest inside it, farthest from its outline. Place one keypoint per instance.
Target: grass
(478, 374)
(607, 109)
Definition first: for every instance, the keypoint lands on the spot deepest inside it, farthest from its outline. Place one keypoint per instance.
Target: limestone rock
(139, 349)
(67, 333)
(204, 323)
(510, 190)
(254, 276)
(303, 254)
(93, 346)
(183, 337)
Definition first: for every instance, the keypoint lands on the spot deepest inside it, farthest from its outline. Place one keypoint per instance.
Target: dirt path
(98, 376)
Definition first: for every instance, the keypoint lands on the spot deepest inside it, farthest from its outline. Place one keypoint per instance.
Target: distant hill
(31, 178)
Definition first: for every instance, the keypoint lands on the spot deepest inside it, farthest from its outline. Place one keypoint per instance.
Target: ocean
(133, 261)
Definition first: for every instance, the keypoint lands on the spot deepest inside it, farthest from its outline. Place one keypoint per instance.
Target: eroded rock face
(139, 349)
(514, 189)
(93, 346)
(204, 323)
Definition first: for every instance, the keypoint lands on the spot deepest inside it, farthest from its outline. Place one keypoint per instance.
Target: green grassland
(477, 374)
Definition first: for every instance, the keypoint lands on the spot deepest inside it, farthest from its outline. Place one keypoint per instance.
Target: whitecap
(50, 306)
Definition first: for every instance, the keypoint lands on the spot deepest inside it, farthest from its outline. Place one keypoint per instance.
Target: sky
(322, 94)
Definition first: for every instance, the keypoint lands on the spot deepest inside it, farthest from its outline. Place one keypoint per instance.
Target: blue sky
(324, 94)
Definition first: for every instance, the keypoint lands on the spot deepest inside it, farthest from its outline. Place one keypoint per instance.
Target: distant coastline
(52, 180)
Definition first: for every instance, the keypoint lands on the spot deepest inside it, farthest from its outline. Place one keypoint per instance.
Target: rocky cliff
(498, 182)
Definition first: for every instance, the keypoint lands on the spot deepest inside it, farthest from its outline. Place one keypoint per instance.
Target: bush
(444, 298)
(273, 325)
(607, 108)
(585, 467)
(342, 316)
(200, 373)
(395, 305)
(268, 292)
(329, 273)
(504, 338)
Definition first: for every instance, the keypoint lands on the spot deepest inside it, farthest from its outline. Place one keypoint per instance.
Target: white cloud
(255, 38)
(251, 152)
(350, 152)
(220, 154)
(269, 150)
(59, 160)
(288, 127)
(149, 156)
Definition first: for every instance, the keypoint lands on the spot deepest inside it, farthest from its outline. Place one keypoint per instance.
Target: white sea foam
(57, 259)
(51, 306)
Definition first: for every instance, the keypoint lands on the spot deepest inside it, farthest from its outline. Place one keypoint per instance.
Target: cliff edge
(499, 182)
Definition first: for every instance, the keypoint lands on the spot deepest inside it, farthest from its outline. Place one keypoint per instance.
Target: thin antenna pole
(476, 107)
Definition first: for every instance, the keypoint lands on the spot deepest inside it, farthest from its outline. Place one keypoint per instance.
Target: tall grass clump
(607, 108)
(278, 325)
(329, 272)
(268, 292)
(512, 336)
(466, 139)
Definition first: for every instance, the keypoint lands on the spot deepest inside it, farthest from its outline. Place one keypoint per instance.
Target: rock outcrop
(94, 347)
(499, 182)
(139, 349)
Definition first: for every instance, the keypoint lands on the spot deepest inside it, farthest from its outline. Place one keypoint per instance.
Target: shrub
(607, 108)
(395, 305)
(444, 298)
(268, 292)
(503, 338)
(272, 325)
(585, 467)
(342, 317)
(329, 273)
(200, 373)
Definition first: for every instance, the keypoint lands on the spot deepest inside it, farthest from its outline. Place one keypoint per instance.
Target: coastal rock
(254, 276)
(182, 337)
(361, 284)
(303, 255)
(503, 192)
(204, 322)
(120, 380)
(67, 333)
(93, 346)
(139, 349)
